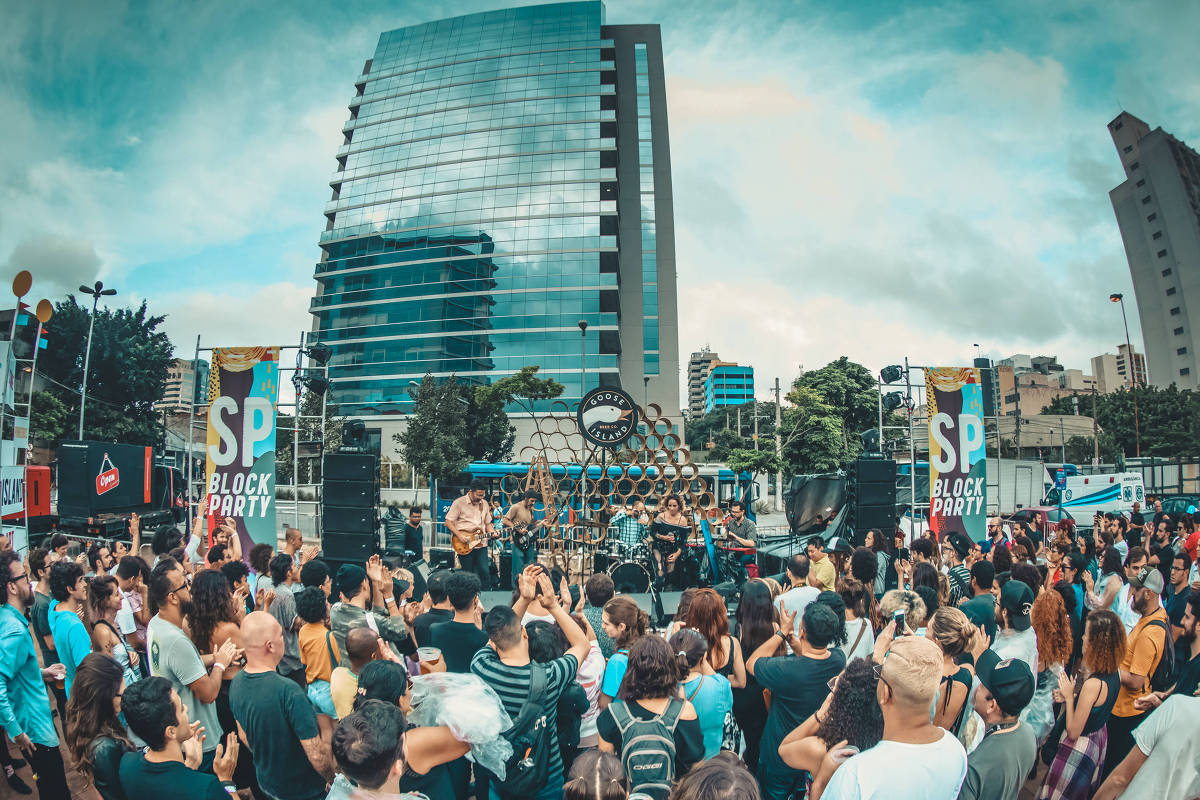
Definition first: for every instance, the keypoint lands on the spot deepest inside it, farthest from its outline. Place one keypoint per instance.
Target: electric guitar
(475, 540)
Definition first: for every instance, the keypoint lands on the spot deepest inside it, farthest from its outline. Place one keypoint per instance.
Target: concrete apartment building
(1158, 213)
(699, 363)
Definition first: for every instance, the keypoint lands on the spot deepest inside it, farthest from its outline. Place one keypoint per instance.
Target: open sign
(109, 477)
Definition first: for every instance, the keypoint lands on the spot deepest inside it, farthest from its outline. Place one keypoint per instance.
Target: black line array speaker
(873, 482)
(349, 503)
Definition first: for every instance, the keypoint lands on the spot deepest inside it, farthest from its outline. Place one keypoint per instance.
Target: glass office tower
(504, 176)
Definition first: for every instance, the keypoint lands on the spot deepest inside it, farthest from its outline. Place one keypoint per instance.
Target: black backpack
(1164, 674)
(528, 767)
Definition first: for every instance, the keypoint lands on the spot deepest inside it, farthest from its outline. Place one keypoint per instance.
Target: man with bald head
(362, 647)
(275, 718)
(915, 757)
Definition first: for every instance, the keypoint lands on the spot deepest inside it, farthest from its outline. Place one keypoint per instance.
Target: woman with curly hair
(708, 615)
(214, 619)
(94, 735)
(950, 629)
(1075, 771)
(651, 691)
(850, 713)
(1052, 626)
(756, 623)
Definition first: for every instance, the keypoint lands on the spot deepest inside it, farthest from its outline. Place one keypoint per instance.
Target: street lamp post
(582, 358)
(1117, 297)
(96, 292)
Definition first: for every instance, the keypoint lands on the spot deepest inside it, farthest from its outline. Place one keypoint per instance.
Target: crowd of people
(1057, 662)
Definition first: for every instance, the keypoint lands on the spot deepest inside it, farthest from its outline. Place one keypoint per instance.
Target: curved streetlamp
(1117, 297)
(96, 292)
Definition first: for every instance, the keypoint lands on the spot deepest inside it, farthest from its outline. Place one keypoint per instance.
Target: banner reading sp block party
(957, 455)
(243, 388)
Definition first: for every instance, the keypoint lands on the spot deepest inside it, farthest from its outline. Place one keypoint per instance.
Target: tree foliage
(126, 375)
(50, 420)
(312, 429)
(851, 391)
(1168, 421)
(756, 462)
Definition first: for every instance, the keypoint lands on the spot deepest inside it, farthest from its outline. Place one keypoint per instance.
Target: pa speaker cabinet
(876, 494)
(350, 467)
(356, 494)
(441, 558)
(882, 518)
(876, 470)
(340, 519)
(354, 548)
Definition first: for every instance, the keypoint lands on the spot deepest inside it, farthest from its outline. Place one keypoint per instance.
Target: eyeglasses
(1181, 569)
(184, 585)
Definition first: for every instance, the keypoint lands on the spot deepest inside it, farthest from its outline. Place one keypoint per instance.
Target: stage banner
(957, 457)
(243, 389)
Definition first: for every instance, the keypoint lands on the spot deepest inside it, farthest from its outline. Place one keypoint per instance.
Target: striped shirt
(512, 684)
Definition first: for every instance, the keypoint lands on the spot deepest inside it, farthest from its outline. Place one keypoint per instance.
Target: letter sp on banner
(957, 455)
(243, 389)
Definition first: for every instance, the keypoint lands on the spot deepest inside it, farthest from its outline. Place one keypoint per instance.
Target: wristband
(219, 665)
(389, 600)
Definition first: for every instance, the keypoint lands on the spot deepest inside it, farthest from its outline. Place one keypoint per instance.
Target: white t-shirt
(1170, 737)
(796, 600)
(866, 644)
(896, 770)
(1123, 606)
(126, 623)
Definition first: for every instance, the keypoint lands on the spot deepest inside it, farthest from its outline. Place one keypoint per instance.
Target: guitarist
(523, 532)
(469, 521)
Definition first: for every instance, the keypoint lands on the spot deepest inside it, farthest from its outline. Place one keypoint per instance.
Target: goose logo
(607, 417)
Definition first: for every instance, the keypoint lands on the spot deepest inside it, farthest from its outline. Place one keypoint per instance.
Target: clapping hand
(410, 612)
(1065, 688)
(374, 568)
(549, 598)
(981, 643)
(786, 620)
(225, 760)
(193, 748)
(226, 654)
(527, 582)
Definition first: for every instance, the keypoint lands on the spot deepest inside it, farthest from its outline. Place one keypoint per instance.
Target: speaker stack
(349, 503)
(874, 496)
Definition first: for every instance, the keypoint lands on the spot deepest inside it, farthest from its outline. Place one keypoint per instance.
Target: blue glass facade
(728, 385)
(474, 218)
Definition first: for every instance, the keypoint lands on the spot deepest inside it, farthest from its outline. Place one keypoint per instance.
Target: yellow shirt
(343, 686)
(1143, 650)
(316, 644)
(824, 572)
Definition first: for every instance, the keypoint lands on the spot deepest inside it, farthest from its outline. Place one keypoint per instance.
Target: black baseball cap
(1016, 598)
(1009, 680)
(839, 545)
(960, 543)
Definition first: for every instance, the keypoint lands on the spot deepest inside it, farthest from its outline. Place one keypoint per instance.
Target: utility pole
(1095, 432)
(778, 452)
(755, 424)
(739, 422)
(1017, 394)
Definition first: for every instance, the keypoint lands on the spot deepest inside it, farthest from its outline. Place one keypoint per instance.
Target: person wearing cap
(981, 608)
(1146, 644)
(1015, 637)
(915, 758)
(996, 769)
(365, 603)
(955, 548)
(821, 573)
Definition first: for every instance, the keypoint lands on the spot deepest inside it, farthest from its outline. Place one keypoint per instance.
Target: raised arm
(576, 639)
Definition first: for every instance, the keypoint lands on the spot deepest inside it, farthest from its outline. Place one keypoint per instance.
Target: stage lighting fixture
(870, 440)
(891, 374)
(319, 353)
(892, 401)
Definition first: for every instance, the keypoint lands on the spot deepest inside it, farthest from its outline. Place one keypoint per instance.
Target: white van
(1084, 495)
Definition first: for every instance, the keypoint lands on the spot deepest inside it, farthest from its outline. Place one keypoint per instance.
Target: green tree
(312, 429)
(433, 441)
(702, 430)
(756, 462)
(49, 419)
(491, 436)
(851, 391)
(812, 434)
(126, 375)
(1168, 420)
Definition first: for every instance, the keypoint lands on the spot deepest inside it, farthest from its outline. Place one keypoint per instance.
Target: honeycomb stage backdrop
(243, 389)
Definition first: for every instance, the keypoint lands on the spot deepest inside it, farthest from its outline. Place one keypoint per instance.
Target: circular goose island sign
(607, 417)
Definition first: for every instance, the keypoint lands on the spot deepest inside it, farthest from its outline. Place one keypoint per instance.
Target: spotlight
(870, 441)
(320, 353)
(891, 374)
(314, 383)
(892, 401)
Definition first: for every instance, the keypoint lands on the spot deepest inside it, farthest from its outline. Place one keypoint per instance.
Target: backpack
(648, 747)
(526, 770)
(1164, 674)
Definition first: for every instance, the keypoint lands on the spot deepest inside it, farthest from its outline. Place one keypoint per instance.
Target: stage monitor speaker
(355, 494)
(353, 548)
(350, 467)
(340, 519)
(875, 470)
(441, 558)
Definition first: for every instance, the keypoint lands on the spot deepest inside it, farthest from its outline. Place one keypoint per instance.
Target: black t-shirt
(424, 622)
(459, 642)
(981, 607)
(169, 780)
(1176, 604)
(798, 684)
(1137, 519)
(689, 739)
(276, 716)
(1189, 671)
(414, 539)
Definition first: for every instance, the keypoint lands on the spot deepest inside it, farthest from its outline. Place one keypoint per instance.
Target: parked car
(1041, 517)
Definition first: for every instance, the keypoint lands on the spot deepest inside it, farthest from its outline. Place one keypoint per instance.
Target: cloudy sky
(873, 179)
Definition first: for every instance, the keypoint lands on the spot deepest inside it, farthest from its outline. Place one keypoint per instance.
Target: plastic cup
(428, 658)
